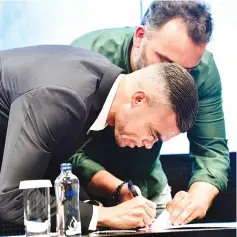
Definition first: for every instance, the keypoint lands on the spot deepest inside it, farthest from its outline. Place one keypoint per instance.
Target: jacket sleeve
(83, 166)
(208, 143)
(39, 123)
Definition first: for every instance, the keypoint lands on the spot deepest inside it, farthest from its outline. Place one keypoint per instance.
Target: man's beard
(119, 127)
(139, 58)
(120, 124)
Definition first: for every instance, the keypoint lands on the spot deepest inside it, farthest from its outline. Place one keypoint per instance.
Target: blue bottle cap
(66, 166)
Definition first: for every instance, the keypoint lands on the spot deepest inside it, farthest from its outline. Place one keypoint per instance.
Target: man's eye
(160, 58)
(153, 134)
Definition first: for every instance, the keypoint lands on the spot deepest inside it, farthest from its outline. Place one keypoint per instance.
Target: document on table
(162, 222)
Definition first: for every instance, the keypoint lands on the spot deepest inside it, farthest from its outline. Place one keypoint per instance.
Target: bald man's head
(155, 103)
(169, 84)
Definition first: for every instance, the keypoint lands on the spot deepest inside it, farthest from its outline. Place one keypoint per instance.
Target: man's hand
(187, 206)
(137, 212)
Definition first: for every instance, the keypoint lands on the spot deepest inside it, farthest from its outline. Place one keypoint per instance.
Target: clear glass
(37, 211)
(68, 212)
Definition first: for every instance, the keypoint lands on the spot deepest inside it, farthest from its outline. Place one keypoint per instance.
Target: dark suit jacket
(49, 97)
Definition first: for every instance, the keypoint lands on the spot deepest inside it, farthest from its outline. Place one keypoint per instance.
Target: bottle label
(71, 193)
(74, 227)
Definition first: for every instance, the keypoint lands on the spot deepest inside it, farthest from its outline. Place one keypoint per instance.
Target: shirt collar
(100, 123)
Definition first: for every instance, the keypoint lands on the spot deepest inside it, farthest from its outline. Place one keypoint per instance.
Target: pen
(132, 188)
(113, 231)
(133, 191)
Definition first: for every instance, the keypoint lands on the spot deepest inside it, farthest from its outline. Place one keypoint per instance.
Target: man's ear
(139, 34)
(140, 97)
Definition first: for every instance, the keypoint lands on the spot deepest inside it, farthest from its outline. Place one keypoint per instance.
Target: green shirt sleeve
(86, 41)
(84, 168)
(208, 143)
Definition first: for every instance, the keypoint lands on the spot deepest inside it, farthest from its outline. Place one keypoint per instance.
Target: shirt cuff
(94, 218)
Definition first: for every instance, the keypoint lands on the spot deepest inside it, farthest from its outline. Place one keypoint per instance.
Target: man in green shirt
(173, 31)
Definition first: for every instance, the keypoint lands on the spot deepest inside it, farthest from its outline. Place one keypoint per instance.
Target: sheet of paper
(162, 222)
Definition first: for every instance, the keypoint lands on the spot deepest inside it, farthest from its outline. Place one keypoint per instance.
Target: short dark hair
(195, 14)
(182, 94)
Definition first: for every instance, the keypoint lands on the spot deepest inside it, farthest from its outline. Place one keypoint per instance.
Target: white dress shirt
(99, 124)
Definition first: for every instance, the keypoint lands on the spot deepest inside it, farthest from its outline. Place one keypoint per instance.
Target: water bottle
(67, 195)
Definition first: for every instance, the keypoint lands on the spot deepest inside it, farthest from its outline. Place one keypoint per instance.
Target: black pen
(134, 191)
(132, 188)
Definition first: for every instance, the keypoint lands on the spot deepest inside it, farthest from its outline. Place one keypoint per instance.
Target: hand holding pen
(134, 192)
(137, 212)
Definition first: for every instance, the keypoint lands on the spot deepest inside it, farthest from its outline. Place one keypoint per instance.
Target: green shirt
(208, 144)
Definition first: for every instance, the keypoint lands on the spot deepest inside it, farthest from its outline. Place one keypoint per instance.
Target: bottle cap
(66, 166)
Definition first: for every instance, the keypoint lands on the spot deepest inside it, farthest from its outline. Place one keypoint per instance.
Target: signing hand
(137, 212)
